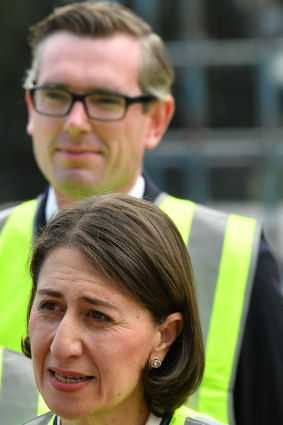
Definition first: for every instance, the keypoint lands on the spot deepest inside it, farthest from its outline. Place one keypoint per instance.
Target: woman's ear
(169, 330)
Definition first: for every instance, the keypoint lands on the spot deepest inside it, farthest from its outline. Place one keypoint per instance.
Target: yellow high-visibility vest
(15, 282)
(223, 249)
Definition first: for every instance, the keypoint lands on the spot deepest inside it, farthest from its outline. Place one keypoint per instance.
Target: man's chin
(74, 191)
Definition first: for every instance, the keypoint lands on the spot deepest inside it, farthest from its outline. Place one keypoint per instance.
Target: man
(98, 95)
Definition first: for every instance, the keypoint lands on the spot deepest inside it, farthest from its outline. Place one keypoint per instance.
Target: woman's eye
(97, 315)
(49, 306)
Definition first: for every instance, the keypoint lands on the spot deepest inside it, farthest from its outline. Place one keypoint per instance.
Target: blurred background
(224, 147)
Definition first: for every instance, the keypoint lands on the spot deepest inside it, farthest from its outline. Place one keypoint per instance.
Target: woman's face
(89, 342)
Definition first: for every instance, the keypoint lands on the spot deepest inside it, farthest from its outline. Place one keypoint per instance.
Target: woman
(113, 326)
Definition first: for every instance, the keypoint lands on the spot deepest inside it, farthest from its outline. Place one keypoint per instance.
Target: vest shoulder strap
(181, 211)
(21, 209)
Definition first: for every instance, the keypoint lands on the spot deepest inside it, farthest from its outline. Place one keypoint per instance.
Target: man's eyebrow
(64, 86)
(54, 85)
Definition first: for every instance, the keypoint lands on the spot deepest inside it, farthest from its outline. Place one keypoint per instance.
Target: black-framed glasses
(99, 105)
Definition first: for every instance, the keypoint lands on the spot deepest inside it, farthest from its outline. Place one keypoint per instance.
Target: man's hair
(137, 247)
(105, 19)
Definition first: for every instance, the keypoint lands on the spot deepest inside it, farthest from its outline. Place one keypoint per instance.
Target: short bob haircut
(106, 19)
(139, 250)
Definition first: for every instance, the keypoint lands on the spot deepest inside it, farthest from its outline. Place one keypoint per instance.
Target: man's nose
(67, 341)
(77, 121)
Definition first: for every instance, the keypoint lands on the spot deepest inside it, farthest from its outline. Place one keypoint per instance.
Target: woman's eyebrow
(97, 301)
(50, 292)
(86, 298)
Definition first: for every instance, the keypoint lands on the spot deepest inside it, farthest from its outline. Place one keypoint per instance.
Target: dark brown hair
(139, 249)
(106, 19)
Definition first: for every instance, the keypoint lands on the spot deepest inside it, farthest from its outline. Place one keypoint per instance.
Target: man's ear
(169, 331)
(160, 115)
(30, 109)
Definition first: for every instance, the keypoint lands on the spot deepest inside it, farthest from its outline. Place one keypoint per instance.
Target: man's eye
(105, 101)
(55, 95)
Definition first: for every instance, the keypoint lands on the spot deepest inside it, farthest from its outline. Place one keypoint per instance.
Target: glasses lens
(105, 106)
(52, 101)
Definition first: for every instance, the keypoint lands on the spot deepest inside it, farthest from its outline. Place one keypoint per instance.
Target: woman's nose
(67, 339)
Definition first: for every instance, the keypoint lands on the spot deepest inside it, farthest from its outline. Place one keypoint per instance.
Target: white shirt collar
(51, 208)
(137, 190)
(153, 420)
(51, 204)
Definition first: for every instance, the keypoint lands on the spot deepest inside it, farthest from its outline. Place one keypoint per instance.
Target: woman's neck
(127, 417)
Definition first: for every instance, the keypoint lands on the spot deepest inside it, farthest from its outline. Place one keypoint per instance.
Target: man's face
(78, 155)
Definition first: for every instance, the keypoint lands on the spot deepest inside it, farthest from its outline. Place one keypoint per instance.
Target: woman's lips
(68, 381)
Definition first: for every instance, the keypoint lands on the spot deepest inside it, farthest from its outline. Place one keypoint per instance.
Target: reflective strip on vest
(4, 214)
(223, 250)
(15, 245)
(1, 363)
(19, 395)
(47, 419)
(185, 416)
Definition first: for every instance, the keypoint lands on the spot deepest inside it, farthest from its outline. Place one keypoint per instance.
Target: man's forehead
(72, 41)
(89, 57)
